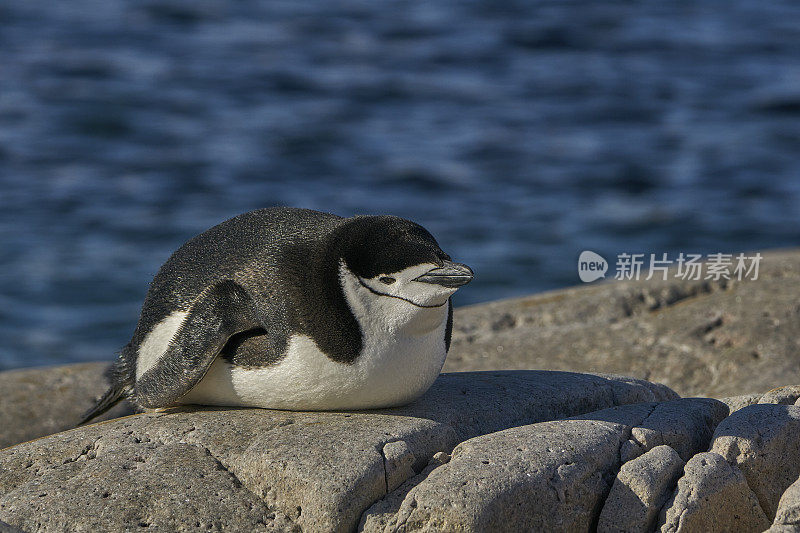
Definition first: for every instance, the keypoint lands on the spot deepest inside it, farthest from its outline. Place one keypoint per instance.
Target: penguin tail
(121, 380)
(111, 398)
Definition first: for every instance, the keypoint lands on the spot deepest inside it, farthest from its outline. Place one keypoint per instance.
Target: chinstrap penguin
(293, 309)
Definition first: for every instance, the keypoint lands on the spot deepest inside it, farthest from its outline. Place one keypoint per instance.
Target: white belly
(403, 352)
(385, 374)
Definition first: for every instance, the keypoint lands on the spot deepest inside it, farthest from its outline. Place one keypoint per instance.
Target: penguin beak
(450, 275)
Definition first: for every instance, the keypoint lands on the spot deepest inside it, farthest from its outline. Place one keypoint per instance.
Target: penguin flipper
(219, 312)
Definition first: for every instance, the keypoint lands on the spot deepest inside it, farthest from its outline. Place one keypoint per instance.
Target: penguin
(289, 308)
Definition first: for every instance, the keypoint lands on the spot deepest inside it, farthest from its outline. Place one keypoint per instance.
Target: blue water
(519, 133)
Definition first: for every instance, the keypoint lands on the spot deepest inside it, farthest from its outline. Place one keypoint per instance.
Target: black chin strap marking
(373, 291)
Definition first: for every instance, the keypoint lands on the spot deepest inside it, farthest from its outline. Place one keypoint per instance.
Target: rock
(783, 529)
(316, 471)
(182, 485)
(763, 442)
(782, 395)
(787, 517)
(701, 338)
(398, 462)
(735, 403)
(531, 450)
(6, 528)
(550, 476)
(686, 425)
(42, 401)
(383, 512)
(712, 496)
(640, 489)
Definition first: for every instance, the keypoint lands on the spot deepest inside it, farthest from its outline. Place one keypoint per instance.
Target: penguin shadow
(196, 408)
(400, 410)
(487, 394)
(199, 408)
(532, 395)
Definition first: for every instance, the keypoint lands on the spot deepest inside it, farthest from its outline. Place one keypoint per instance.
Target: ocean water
(519, 133)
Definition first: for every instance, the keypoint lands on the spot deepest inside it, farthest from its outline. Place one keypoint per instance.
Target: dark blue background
(519, 133)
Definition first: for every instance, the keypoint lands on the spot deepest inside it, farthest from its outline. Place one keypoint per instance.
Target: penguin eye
(387, 280)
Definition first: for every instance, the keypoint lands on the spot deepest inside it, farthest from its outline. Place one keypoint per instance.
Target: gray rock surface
(640, 489)
(315, 471)
(735, 403)
(551, 476)
(686, 425)
(530, 449)
(782, 395)
(787, 395)
(5, 528)
(382, 513)
(42, 401)
(701, 338)
(712, 496)
(764, 442)
(784, 529)
(173, 487)
(788, 516)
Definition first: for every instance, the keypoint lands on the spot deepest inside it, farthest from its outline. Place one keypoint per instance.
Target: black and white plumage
(293, 309)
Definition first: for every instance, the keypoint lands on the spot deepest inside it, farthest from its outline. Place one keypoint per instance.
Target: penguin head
(395, 258)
